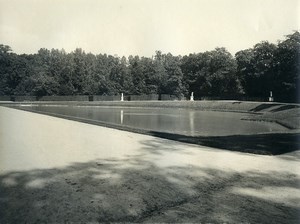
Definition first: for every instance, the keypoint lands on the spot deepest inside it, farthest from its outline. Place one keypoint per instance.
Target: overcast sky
(140, 27)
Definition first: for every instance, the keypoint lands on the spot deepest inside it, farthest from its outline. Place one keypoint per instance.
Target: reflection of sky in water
(172, 120)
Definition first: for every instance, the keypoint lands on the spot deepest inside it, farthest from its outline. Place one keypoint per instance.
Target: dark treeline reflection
(252, 72)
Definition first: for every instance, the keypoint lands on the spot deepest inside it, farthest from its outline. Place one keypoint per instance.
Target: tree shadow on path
(135, 189)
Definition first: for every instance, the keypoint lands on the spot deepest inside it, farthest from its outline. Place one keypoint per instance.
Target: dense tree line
(252, 72)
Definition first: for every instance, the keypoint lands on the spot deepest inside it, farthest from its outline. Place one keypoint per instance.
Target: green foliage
(252, 72)
(211, 73)
(287, 68)
(256, 69)
(268, 67)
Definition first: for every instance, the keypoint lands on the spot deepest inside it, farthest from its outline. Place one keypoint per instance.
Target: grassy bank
(226, 105)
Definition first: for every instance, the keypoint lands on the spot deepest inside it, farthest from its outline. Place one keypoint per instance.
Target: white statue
(271, 99)
(192, 97)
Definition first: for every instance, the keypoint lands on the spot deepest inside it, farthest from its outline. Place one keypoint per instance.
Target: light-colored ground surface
(55, 170)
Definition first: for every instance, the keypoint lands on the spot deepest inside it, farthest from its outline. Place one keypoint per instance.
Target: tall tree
(287, 68)
(212, 73)
(256, 69)
(78, 71)
(159, 78)
(221, 77)
(6, 64)
(175, 84)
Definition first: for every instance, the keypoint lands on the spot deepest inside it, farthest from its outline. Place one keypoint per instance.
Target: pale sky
(140, 27)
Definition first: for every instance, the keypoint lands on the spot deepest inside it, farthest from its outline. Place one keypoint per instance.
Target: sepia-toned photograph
(150, 111)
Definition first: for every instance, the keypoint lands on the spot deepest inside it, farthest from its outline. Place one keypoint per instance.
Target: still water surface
(172, 120)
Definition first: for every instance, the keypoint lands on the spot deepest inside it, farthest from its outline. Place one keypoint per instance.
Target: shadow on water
(265, 144)
(134, 189)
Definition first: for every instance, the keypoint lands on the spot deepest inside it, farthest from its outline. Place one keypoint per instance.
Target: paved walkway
(56, 170)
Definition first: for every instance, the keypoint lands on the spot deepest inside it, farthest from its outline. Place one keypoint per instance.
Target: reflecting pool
(171, 120)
